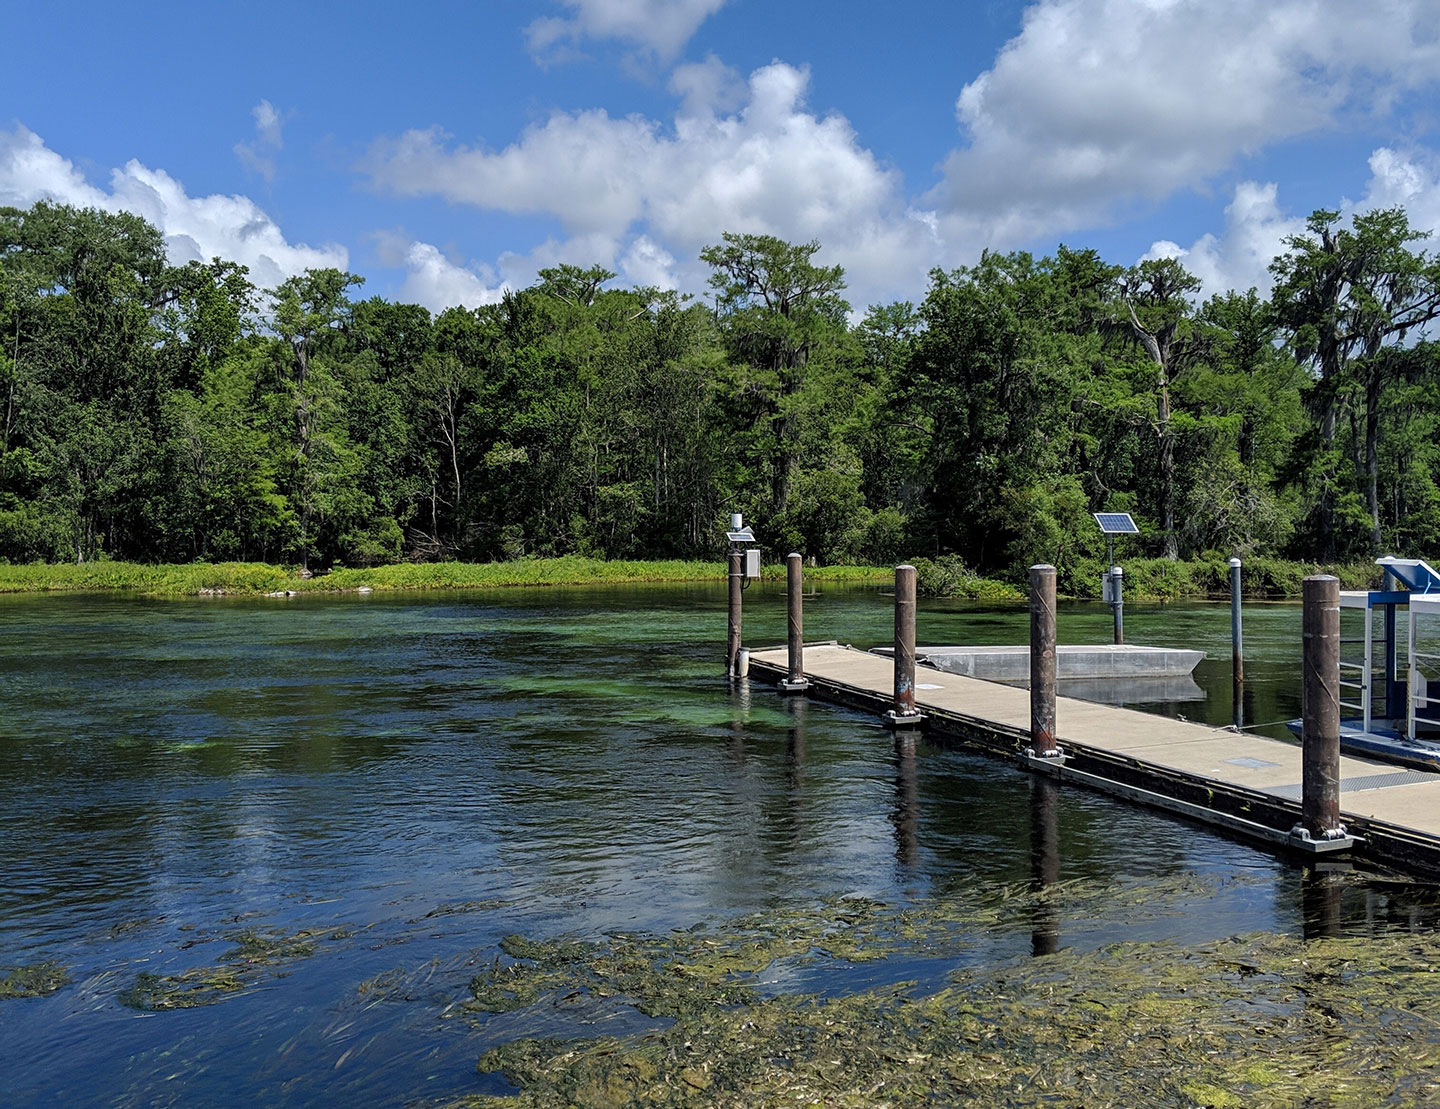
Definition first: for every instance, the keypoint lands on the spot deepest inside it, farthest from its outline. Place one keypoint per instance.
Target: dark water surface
(410, 779)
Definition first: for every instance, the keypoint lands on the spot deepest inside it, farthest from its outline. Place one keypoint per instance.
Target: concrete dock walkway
(1246, 783)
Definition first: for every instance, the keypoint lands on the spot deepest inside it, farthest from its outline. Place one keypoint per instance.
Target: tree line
(177, 413)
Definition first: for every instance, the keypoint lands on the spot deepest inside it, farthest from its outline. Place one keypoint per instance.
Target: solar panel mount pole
(1118, 606)
(737, 585)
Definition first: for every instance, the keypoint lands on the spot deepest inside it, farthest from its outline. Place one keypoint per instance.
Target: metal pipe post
(905, 640)
(794, 586)
(1237, 639)
(1237, 648)
(1119, 606)
(1320, 708)
(737, 585)
(1042, 662)
(1394, 689)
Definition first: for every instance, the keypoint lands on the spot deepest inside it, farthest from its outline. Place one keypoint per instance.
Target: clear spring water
(431, 773)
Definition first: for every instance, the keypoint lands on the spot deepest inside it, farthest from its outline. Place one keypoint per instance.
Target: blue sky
(446, 151)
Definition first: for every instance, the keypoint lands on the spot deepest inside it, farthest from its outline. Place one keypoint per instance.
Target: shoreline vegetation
(1145, 579)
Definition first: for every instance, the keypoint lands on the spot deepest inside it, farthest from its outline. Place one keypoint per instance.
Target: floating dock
(1246, 784)
(1109, 661)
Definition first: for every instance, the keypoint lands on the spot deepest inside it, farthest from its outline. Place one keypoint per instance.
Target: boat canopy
(1417, 575)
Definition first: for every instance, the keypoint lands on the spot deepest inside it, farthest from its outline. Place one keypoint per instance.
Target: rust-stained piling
(1320, 709)
(903, 712)
(737, 585)
(795, 621)
(1042, 662)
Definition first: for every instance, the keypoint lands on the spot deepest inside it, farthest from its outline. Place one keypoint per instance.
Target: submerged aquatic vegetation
(186, 990)
(1263, 1020)
(243, 964)
(35, 980)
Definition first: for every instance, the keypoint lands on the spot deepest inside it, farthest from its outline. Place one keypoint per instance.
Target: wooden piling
(1320, 708)
(737, 585)
(1042, 661)
(904, 641)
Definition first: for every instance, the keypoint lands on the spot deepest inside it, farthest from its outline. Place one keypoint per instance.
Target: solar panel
(1116, 523)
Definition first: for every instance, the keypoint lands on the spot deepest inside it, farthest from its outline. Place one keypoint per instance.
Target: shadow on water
(404, 782)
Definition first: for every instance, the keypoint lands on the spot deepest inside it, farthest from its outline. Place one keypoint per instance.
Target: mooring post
(1237, 648)
(1042, 663)
(1320, 709)
(737, 585)
(794, 586)
(904, 713)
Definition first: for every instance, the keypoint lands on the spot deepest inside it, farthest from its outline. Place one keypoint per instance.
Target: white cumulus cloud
(1100, 103)
(656, 29)
(769, 167)
(432, 279)
(1239, 257)
(1256, 226)
(195, 227)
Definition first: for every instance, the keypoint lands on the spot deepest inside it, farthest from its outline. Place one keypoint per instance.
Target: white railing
(1423, 709)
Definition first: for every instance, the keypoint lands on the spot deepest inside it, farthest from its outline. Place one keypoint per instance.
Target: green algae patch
(1263, 1020)
(686, 973)
(255, 952)
(34, 980)
(186, 990)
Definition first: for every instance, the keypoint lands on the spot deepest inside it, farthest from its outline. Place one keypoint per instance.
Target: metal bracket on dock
(895, 719)
(1047, 764)
(1301, 840)
(785, 685)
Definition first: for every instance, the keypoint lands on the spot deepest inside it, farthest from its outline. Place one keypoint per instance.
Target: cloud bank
(633, 194)
(196, 228)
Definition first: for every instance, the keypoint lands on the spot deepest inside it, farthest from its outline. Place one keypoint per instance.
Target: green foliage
(150, 413)
(1163, 579)
(950, 577)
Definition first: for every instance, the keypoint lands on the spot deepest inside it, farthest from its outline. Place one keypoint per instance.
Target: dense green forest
(161, 413)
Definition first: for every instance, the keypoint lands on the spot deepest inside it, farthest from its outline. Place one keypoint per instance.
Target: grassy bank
(255, 579)
(1161, 579)
(1145, 579)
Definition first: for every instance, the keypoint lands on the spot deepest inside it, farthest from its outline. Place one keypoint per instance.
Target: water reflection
(1322, 889)
(798, 707)
(906, 812)
(1044, 862)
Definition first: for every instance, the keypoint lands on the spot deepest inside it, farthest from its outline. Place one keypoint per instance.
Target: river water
(407, 779)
